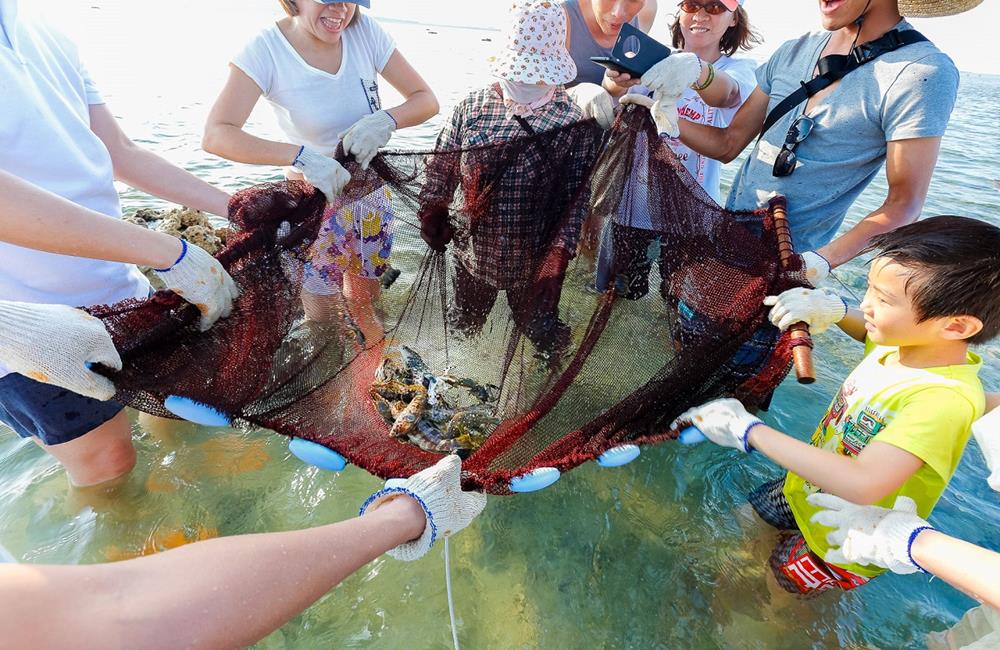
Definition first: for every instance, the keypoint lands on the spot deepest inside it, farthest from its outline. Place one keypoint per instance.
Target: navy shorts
(53, 415)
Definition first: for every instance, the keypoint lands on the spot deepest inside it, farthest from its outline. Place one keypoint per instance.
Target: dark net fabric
(554, 372)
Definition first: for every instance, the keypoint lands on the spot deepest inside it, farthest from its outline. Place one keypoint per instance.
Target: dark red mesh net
(552, 375)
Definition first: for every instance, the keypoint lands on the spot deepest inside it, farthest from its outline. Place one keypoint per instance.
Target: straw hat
(536, 45)
(935, 8)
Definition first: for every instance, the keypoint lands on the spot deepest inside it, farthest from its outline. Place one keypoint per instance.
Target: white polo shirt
(45, 139)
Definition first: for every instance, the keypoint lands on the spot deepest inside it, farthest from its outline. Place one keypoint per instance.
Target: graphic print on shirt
(370, 87)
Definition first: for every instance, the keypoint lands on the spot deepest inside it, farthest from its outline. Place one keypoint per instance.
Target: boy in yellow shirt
(901, 419)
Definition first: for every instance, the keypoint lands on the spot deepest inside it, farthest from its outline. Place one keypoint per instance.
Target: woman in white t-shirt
(318, 68)
(706, 34)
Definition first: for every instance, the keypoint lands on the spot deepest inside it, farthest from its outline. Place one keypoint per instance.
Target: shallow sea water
(657, 554)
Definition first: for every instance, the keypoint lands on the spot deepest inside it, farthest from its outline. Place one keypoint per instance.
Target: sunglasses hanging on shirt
(800, 129)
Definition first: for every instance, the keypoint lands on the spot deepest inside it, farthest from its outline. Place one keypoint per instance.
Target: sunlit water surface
(654, 554)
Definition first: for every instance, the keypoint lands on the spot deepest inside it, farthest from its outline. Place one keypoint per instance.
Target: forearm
(34, 218)
(227, 592)
(965, 566)
(711, 141)
(891, 215)
(146, 171)
(853, 324)
(838, 475)
(417, 109)
(233, 143)
(723, 92)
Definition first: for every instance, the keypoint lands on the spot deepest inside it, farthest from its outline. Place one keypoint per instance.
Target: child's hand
(869, 534)
(987, 432)
(817, 308)
(723, 421)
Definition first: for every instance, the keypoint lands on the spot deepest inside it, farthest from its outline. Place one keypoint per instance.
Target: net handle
(799, 332)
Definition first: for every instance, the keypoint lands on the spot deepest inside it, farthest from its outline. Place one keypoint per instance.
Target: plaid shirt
(504, 244)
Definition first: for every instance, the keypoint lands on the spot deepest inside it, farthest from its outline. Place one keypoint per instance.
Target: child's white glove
(198, 278)
(668, 80)
(987, 432)
(869, 534)
(322, 172)
(816, 267)
(366, 136)
(723, 421)
(54, 343)
(818, 308)
(438, 490)
(595, 102)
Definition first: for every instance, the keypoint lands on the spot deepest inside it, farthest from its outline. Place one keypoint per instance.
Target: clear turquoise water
(654, 554)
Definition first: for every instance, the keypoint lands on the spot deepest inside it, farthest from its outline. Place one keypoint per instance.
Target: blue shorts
(53, 415)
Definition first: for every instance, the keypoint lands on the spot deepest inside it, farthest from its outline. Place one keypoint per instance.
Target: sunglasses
(800, 129)
(711, 8)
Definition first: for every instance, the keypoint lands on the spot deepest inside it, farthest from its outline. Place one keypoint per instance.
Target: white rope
(451, 602)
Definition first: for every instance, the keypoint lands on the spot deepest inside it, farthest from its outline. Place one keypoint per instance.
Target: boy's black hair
(956, 268)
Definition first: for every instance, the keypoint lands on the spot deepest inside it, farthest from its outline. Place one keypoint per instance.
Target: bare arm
(992, 401)
(227, 592)
(647, 16)
(968, 567)
(144, 170)
(853, 324)
(30, 215)
(728, 143)
(420, 103)
(224, 135)
(909, 165)
(878, 471)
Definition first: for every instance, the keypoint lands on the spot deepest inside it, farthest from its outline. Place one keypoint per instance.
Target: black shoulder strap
(836, 66)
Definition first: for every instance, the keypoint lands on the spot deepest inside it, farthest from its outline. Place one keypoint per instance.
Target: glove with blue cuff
(725, 422)
(438, 490)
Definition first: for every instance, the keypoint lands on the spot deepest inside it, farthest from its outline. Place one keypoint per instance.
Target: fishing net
(497, 347)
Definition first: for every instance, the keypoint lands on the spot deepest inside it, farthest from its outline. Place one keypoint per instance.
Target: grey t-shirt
(908, 93)
(582, 46)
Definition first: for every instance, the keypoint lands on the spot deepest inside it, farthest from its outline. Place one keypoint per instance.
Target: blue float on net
(691, 436)
(534, 480)
(618, 456)
(192, 411)
(316, 454)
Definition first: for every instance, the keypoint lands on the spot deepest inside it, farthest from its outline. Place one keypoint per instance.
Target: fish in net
(551, 375)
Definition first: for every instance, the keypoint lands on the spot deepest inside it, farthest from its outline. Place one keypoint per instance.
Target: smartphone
(634, 53)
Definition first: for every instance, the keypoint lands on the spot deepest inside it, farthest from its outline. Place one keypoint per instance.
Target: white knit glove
(816, 267)
(987, 432)
(322, 172)
(817, 308)
(638, 99)
(869, 534)
(438, 490)
(595, 102)
(198, 278)
(366, 136)
(54, 343)
(723, 421)
(668, 80)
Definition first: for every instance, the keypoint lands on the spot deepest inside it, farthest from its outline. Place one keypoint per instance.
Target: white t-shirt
(45, 139)
(634, 210)
(313, 106)
(693, 108)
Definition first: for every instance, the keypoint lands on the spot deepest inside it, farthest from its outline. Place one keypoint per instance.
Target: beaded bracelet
(708, 80)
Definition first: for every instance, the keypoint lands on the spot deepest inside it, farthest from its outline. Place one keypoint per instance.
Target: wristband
(295, 161)
(708, 80)
(909, 546)
(184, 252)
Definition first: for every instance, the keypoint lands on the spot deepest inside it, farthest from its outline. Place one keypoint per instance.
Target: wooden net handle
(801, 341)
